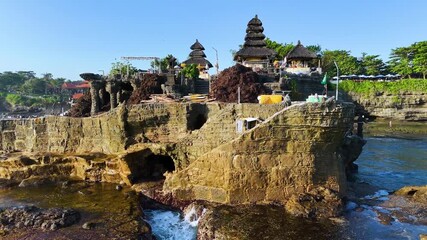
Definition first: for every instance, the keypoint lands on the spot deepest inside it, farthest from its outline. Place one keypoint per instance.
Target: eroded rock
(33, 217)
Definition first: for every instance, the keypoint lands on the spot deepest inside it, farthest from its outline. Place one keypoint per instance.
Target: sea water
(171, 225)
(388, 164)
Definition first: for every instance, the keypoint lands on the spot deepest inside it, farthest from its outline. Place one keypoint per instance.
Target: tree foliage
(282, 49)
(122, 68)
(401, 61)
(347, 64)
(375, 87)
(372, 65)
(190, 71)
(420, 58)
(35, 86)
(163, 63)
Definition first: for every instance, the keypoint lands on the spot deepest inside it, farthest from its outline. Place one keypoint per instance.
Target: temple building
(198, 57)
(254, 53)
(300, 61)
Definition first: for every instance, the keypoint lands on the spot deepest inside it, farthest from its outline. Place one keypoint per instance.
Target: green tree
(47, 76)
(122, 68)
(347, 63)
(401, 61)
(162, 62)
(190, 71)
(317, 49)
(281, 49)
(420, 58)
(35, 86)
(371, 64)
(10, 81)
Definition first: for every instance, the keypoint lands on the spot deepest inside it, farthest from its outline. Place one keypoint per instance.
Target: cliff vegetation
(374, 87)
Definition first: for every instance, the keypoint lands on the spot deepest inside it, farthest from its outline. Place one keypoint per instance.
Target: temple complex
(254, 53)
(198, 57)
(300, 61)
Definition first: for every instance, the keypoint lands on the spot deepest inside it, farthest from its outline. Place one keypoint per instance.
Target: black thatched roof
(255, 21)
(197, 46)
(198, 61)
(255, 52)
(197, 53)
(197, 56)
(300, 52)
(255, 45)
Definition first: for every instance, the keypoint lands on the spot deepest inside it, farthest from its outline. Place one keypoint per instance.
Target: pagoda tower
(198, 57)
(254, 53)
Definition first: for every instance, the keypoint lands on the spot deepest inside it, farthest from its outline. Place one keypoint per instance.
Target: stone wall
(294, 151)
(104, 133)
(411, 106)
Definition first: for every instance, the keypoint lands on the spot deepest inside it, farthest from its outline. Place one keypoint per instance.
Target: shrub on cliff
(150, 84)
(82, 107)
(224, 89)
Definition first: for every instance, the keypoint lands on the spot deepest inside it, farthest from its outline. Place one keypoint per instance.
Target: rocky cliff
(292, 152)
(293, 156)
(411, 106)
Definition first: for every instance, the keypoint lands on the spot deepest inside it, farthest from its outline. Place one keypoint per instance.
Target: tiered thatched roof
(300, 52)
(197, 56)
(255, 45)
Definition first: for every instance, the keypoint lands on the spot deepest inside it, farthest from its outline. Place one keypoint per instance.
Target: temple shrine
(300, 61)
(254, 53)
(198, 57)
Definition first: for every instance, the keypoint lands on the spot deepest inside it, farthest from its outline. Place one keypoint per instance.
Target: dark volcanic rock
(33, 217)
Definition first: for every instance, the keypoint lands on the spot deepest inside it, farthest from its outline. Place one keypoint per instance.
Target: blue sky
(69, 37)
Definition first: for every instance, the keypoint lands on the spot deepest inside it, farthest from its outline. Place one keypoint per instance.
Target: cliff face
(411, 106)
(105, 134)
(292, 152)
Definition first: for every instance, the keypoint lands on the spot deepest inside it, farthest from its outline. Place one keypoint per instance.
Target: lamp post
(216, 65)
(338, 80)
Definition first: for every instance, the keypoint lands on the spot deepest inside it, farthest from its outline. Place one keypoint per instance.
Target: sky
(69, 37)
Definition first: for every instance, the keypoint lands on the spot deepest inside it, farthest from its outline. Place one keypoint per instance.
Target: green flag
(325, 79)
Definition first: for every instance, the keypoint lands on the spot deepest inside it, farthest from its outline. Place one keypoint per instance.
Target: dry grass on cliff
(150, 84)
(82, 106)
(224, 89)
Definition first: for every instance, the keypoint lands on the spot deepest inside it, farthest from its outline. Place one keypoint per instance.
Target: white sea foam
(379, 195)
(170, 225)
(192, 218)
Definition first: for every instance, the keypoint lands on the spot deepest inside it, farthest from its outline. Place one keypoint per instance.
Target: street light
(216, 65)
(338, 80)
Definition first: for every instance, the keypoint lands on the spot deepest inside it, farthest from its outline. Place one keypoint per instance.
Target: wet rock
(88, 225)
(415, 193)
(385, 218)
(318, 203)
(30, 216)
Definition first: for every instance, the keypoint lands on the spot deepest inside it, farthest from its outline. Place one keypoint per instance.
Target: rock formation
(292, 152)
(409, 106)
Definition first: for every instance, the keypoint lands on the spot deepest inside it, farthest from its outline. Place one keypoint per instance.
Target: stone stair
(201, 86)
